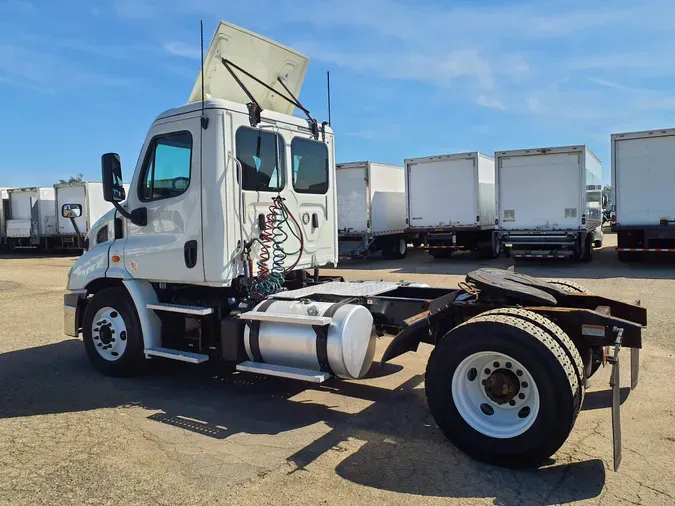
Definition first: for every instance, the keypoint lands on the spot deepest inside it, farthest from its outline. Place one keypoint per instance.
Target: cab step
(182, 356)
(297, 319)
(281, 371)
(181, 308)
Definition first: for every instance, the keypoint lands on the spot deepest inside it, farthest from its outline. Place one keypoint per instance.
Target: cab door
(312, 197)
(167, 182)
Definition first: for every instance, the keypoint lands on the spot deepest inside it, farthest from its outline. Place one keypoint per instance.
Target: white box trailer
(371, 210)
(4, 214)
(451, 202)
(643, 177)
(90, 196)
(549, 202)
(32, 217)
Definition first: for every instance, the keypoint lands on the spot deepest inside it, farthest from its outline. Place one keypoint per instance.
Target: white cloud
(183, 50)
(608, 84)
(490, 103)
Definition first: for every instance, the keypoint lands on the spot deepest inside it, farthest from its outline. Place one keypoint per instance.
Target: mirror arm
(77, 231)
(138, 217)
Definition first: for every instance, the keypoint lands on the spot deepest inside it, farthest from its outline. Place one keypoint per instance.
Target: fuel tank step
(183, 356)
(181, 308)
(298, 319)
(283, 371)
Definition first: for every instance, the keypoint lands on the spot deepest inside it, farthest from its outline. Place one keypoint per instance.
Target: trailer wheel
(503, 390)
(112, 334)
(588, 250)
(491, 250)
(439, 253)
(395, 249)
(569, 286)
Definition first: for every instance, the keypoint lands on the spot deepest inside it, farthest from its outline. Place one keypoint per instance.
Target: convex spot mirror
(71, 210)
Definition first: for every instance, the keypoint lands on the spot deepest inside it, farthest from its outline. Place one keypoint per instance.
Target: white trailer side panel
(47, 212)
(96, 206)
(387, 197)
(540, 191)
(352, 194)
(442, 192)
(643, 178)
(593, 195)
(486, 191)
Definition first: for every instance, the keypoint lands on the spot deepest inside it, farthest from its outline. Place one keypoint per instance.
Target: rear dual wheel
(506, 387)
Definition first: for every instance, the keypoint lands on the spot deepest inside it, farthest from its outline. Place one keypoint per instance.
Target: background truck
(643, 178)
(4, 215)
(32, 216)
(215, 256)
(451, 202)
(371, 210)
(549, 202)
(90, 196)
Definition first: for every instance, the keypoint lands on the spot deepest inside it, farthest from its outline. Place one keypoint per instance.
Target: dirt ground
(189, 435)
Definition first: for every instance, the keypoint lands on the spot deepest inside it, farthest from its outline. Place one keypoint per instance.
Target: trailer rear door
(442, 192)
(644, 180)
(352, 194)
(540, 191)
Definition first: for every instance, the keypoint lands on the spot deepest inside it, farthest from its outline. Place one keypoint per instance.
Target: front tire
(520, 429)
(112, 334)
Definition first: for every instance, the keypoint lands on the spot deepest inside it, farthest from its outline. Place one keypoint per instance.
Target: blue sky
(409, 78)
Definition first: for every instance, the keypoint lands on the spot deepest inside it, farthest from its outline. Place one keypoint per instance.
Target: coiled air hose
(271, 277)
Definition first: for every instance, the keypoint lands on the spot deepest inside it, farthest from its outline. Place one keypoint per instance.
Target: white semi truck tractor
(213, 255)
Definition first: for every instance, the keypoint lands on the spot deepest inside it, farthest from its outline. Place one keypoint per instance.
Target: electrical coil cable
(271, 278)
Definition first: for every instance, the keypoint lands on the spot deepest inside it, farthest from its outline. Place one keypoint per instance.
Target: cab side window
(166, 170)
(262, 156)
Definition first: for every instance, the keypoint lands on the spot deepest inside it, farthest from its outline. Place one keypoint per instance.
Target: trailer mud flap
(634, 367)
(615, 385)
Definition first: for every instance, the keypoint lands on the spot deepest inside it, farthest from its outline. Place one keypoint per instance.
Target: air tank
(350, 345)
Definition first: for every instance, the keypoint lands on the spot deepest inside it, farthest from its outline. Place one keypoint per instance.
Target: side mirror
(71, 210)
(111, 175)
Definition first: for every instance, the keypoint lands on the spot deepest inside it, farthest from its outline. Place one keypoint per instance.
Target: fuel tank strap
(254, 335)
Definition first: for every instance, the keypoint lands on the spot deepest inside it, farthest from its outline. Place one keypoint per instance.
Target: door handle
(315, 221)
(190, 253)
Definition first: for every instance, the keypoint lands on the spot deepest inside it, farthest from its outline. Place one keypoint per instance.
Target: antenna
(205, 120)
(328, 82)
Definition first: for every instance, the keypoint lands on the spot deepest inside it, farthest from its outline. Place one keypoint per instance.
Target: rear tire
(569, 286)
(124, 355)
(492, 434)
(491, 251)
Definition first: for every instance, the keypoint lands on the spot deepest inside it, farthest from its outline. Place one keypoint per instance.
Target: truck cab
(206, 182)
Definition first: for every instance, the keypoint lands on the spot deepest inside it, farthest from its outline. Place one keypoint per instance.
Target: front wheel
(112, 334)
(504, 390)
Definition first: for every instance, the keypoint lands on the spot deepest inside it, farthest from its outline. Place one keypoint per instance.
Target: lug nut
(521, 396)
(496, 364)
(487, 371)
(519, 372)
(524, 384)
(512, 402)
(509, 365)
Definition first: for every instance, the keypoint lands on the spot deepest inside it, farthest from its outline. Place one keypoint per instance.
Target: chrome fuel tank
(350, 346)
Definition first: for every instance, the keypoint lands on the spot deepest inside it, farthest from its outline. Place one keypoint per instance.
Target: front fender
(90, 266)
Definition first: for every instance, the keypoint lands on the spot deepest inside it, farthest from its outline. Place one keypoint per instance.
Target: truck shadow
(402, 450)
(605, 264)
